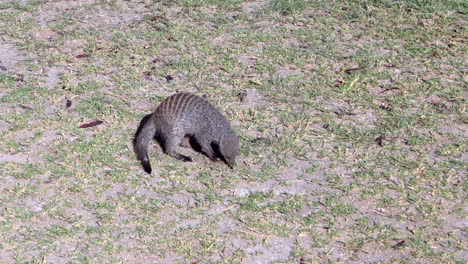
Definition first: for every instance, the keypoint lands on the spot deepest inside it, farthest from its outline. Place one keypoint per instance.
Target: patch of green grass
(224, 5)
(7, 79)
(453, 149)
(288, 6)
(359, 118)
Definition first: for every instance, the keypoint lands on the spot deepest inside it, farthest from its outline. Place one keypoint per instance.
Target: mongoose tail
(146, 165)
(143, 137)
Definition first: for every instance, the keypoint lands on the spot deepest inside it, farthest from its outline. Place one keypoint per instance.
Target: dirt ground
(351, 115)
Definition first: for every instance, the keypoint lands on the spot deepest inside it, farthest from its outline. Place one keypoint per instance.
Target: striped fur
(186, 115)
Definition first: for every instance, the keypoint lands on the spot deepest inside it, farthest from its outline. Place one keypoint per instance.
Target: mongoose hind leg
(170, 148)
(180, 157)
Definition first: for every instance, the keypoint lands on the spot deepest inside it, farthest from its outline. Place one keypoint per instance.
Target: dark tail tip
(146, 166)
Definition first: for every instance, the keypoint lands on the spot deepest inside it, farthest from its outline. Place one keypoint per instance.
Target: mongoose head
(228, 148)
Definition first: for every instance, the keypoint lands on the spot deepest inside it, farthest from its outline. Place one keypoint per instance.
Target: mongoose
(186, 115)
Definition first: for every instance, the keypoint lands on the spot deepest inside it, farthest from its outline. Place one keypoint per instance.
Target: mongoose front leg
(207, 149)
(185, 142)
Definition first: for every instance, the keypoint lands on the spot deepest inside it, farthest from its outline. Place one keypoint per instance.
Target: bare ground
(311, 184)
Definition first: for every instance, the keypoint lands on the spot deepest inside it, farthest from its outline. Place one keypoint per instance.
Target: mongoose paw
(182, 157)
(187, 159)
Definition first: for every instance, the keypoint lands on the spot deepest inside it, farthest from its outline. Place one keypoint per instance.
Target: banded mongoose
(187, 115)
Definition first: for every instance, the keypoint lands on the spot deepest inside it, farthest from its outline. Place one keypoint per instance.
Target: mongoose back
(187, 115)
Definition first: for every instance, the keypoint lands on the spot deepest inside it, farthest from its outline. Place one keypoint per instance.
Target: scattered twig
(399, 244)
(91, 124)
(82, 56)
(390, 89)
(341, 112)
(379, 140)
(322, 203)
(348, 71)
(26, 107)
(259, 139)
